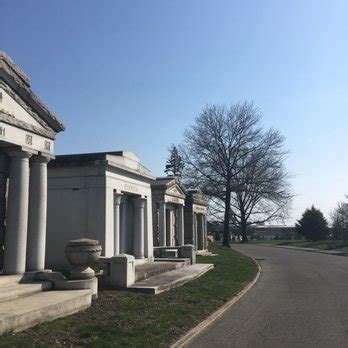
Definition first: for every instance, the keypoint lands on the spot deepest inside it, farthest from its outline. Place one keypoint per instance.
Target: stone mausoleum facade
(168, 201)
(196, 219)
(102, 196)
(27, 133)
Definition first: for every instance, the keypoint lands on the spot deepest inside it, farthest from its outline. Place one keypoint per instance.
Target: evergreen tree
(313, 225)
(175, 164)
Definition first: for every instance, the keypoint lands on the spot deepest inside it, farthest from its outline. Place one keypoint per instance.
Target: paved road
(300, 300)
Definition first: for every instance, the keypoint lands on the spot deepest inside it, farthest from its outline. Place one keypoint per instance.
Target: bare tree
(265, 190)
(339, 221)
(216, 149)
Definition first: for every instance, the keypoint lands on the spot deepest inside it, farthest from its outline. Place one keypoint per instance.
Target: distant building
(273, 232)
(260, 231)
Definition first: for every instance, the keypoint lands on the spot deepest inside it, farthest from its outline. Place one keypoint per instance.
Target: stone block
(188, 251)
(170, 253)
(122, 271)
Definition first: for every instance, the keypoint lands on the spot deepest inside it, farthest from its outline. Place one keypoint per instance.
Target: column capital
(18, 154)
(40, 159)
(139, 202)
(117, 198)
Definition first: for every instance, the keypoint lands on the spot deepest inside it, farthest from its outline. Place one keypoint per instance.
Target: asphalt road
(300, 300)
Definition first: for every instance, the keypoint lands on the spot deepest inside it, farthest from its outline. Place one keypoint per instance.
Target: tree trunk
(243, 227)
(226, 238)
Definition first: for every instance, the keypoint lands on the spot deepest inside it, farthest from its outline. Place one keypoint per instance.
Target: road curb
(309, 250)
(184, 340)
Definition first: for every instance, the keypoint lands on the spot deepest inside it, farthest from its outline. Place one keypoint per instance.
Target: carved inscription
(47, 145)
(29, 139)
(199, 209)
(173, 199)
(2, 131)
(131, 188)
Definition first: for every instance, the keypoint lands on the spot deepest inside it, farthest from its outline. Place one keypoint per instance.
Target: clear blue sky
(133, 75)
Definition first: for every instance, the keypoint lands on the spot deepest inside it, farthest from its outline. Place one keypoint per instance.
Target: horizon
(135, 77)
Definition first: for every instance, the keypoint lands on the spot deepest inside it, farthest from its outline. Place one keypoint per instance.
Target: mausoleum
(27, 133)
(103, 196)
(196, 219)
(168, 201)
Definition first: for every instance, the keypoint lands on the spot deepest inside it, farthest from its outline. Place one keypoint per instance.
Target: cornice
(6, 59)
(22, 89)
(8, 118)
(25, 106)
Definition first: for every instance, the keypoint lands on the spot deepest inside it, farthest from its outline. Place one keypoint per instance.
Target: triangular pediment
(19, 105)
(12, 106)
(175, 190)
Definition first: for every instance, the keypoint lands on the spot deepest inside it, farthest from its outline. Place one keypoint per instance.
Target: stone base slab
(25, 312)
(169, 280)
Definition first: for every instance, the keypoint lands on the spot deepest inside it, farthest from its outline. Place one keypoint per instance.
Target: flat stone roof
(125, 160)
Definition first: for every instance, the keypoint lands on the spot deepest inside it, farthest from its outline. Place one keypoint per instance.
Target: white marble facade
(27, 133)
(196, 219)
(103, 196)
(168, 201)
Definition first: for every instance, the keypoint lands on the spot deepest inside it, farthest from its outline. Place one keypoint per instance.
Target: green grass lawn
(321, 244)
(120, 318)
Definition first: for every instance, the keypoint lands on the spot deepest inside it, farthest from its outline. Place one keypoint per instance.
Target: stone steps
(13, 291)
(6, 280)
(152, 269)
(169, 280)
(22, 313)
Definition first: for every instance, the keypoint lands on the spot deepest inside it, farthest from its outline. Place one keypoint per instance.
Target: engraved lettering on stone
(2, 131)
(128, 187)
(29, 139)
(47, 145)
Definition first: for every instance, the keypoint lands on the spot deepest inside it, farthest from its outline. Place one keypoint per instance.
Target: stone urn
(82, 253)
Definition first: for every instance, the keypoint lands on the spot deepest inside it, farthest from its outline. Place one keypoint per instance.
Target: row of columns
(162, 224)
(120, 226)
(26, 214)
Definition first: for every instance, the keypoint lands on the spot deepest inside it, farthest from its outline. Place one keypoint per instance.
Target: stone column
(124, 226)
(200, 230)
(17, 213)
(4, 162)
(139, 230)
(194, 230)
(36, 241)
(162, 225)
(169, 229)
(205, 231)
(117, 202)
(181, 225)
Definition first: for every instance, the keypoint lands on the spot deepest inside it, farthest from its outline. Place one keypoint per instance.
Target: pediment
(175, 190)
(19, 101)
(13, 110)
